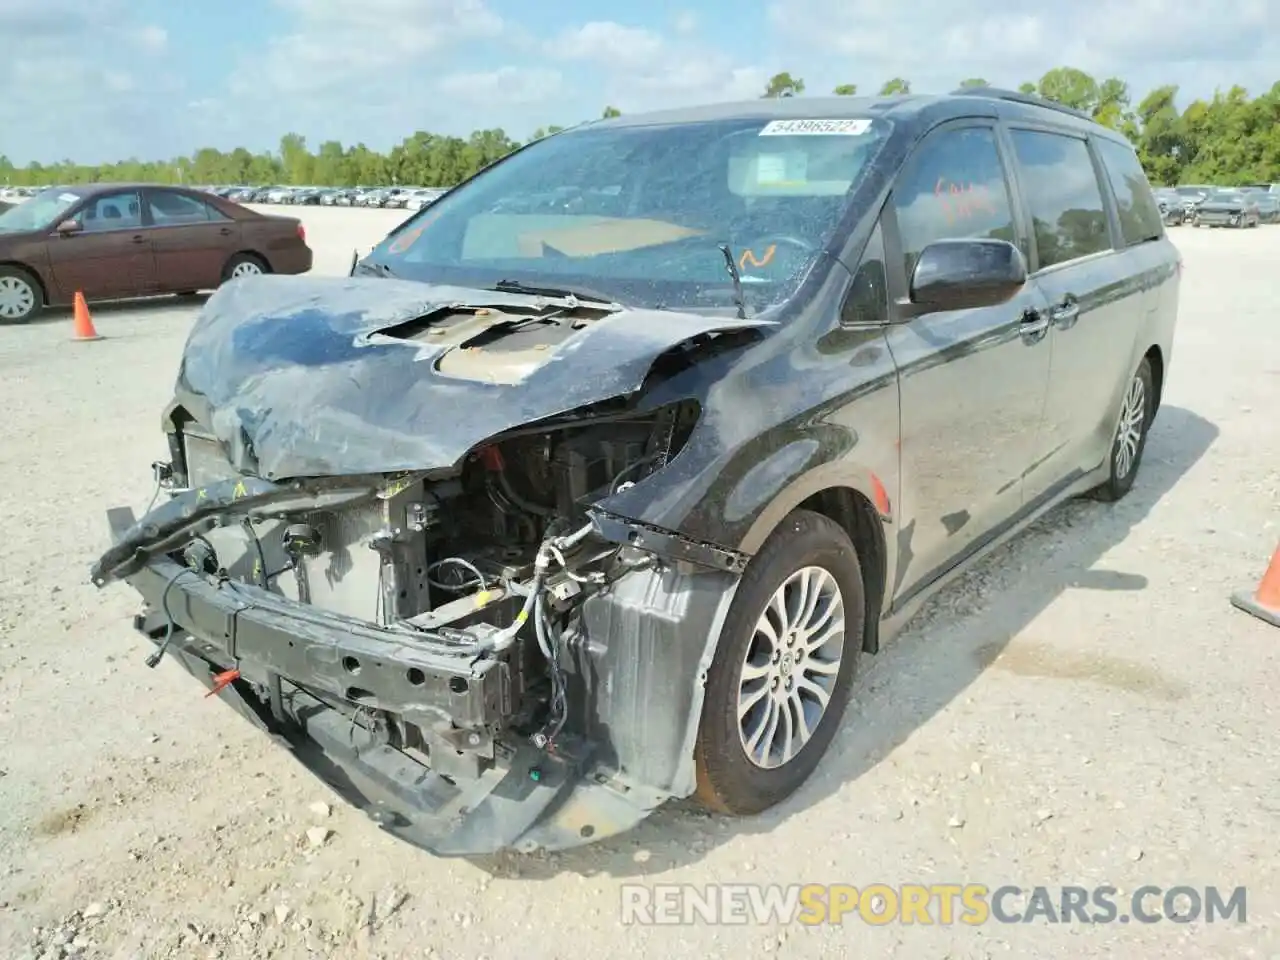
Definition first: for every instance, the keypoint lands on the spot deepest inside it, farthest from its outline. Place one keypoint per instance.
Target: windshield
(40, 211)
(640, 213)
(1224, 195)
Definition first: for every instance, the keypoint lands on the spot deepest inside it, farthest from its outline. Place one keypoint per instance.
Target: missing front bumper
(297, 664)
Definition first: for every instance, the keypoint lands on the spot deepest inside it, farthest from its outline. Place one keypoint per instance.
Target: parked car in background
(1268, 203)
(733, 414)
(119, 241)
(1227, 207)
(1192, 195)
(1171, 206)
(417, 199)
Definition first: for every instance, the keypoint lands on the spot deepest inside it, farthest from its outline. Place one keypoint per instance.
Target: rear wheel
(20, 295)
(1137, 410)
(780, 680)
(243, 265)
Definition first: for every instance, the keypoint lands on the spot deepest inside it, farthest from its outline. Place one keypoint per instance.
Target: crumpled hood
(297, 376)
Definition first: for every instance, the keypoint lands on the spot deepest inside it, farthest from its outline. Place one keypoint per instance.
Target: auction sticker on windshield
(68, 197)
(838, 127)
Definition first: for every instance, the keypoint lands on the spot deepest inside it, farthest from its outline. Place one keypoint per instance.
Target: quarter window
(868, 300)
(1140, 218)
(1063, 194)
(112, 211)
(954, 189)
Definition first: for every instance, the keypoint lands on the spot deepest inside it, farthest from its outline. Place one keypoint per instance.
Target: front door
(1097, 296)
(191, 239)
(972, 382)
(110, 255)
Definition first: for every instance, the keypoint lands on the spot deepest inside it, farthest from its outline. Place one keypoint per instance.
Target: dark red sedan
(119, 241)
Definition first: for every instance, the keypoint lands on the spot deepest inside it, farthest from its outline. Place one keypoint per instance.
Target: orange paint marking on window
(407, 239)
(962, 201)
(749, 257)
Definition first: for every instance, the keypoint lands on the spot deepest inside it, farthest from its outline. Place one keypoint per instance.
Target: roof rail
(1017, 96)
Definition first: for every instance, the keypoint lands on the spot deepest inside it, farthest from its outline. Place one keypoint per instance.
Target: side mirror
(67, 227)
(965, 274)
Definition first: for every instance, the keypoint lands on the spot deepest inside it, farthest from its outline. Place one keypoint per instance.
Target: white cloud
(351, 71)
(636, 68)
(69, 76)
(510, 84)
(937, 43)
(152, 37)
(684, 23)
(374, 71)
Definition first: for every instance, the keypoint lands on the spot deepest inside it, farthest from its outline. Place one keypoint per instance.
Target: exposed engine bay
(407, 553)
(486, 565)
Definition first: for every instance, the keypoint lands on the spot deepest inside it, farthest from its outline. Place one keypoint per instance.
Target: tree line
(1232, 138)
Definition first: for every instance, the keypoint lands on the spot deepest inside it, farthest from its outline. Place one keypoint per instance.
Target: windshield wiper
(370, 266)
(562, 293)
(738, 298)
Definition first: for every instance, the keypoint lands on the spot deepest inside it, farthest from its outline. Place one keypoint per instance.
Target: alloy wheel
(791, 667)
(1133, 416)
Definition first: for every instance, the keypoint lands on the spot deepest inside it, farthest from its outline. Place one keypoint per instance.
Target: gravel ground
(1084, 708)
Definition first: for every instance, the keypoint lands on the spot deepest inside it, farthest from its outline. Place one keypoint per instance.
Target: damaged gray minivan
(590, 485)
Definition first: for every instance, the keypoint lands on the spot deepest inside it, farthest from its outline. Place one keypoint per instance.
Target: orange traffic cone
(1264, 603)
(84, 329)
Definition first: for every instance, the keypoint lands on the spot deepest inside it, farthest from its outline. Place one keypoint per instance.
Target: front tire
(778, 686)
(20, 295)
(1137, 410)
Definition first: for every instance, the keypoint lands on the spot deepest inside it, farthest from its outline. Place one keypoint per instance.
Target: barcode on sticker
(847, 127)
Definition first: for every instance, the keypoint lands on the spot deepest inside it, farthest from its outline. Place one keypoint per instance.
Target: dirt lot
(1085, 708)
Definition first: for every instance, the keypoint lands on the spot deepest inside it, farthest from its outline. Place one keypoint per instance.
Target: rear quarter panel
(277, 241)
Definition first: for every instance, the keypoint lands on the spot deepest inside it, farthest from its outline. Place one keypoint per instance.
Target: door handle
(139, 238)
(225, 231)
(1033, 326)
(1066, 314)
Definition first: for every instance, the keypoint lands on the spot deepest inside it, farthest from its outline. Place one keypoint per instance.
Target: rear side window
(954, 188)
(1063, 194)
(176, 208)
(1140, 218)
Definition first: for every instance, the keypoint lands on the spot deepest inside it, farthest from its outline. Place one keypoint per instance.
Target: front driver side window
(953, 188)
(112, 211)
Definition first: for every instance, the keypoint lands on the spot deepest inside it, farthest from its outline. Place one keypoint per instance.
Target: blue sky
(96, 80)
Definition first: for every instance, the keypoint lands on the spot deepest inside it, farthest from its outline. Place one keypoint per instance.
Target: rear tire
(1137, 410)
(21, 297)
(244, 265)
(789, 650)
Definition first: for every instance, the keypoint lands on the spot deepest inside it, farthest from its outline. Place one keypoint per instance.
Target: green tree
(846, 90)
(974, 82)
(610, 113)
(1071, 88)
(1231, 137)
(783, 85)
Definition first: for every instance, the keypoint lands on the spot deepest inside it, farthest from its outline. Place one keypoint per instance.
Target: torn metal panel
(303, 376)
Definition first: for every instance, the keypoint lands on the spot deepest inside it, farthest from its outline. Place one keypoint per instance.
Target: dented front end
(467, 643)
